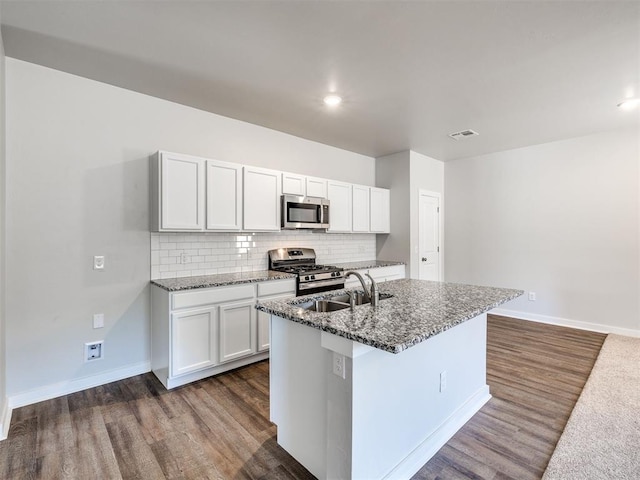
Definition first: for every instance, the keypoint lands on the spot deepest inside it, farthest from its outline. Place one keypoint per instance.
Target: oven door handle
(321, 283)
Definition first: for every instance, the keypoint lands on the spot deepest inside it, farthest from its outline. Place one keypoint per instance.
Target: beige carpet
(602, 438)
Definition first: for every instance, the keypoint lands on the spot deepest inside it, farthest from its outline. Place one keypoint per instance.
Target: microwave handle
(325, 214)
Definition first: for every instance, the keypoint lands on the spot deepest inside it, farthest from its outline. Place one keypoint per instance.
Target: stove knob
(307, 277)
(334, 274)
(313, 277)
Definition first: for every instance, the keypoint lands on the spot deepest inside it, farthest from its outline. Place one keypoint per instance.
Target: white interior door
(429, 248)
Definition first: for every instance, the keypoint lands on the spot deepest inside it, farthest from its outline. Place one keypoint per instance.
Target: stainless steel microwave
(304, 212)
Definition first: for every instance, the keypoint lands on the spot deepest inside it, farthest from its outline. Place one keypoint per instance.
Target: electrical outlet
(98, 262)
(98, 320)
(443, 381)
(93, 351)
(338, 365)
(532, 296)
(184, 258)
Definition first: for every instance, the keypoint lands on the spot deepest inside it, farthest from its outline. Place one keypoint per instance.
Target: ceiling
(518, 72)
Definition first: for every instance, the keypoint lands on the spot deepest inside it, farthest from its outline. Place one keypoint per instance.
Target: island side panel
(298, 392)
(398, 405)
(387, 417)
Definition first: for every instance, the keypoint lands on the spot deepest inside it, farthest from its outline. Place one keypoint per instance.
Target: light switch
(98, 320)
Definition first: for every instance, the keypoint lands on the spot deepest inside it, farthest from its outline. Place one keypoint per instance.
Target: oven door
(311, 288)
(304, 212)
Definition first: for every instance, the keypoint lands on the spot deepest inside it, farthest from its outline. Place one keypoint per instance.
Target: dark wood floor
(219, 428)
(535, 373)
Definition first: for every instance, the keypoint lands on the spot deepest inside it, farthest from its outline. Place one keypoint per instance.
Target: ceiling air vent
(463, 134)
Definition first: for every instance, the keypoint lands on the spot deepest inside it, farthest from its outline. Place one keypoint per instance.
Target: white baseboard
(408, 467)
(565, 322)
(59, 389)
(5, 418)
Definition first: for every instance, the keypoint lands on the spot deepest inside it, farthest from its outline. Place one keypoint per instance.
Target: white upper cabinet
(316, 187)
(224, 196)
(191, 194)
(380, 210)
(177, 187)
(361, 208)
(262, 190)
(293, 184)
(340, 210)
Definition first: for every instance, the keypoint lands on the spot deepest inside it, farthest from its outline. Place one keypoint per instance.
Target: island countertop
(418, 310)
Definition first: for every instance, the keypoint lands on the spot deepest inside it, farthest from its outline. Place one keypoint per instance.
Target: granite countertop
(367, 264)
(219, 280)
(222, 279)
(419, 309)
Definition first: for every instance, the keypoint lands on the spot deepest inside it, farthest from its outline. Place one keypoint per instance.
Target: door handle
(424, 259)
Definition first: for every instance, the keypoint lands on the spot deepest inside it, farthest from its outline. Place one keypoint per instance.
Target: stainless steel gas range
(312, 278)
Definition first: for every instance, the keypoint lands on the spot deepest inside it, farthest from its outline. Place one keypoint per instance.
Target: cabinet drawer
(276, 286)
(207, 296)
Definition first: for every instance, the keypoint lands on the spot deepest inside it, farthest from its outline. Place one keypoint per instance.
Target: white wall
(406, 173)
(392, 171)
(560, 219)
(77, 169)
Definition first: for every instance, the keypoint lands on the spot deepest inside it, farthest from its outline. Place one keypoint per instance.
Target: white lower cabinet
(194, 334)
(264, 323)
(237, 330)
(202, 332)
(379, 274)
(263, 331)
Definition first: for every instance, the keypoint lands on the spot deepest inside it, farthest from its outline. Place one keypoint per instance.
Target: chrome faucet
(373, 295)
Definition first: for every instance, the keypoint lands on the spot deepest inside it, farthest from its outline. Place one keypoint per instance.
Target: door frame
(438, 195)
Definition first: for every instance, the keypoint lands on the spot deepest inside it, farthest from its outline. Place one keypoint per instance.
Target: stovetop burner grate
(311, 277)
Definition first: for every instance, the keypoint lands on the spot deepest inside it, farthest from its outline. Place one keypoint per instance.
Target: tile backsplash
(189, 254)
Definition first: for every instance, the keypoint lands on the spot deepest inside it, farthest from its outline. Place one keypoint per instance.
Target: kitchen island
(375, 392)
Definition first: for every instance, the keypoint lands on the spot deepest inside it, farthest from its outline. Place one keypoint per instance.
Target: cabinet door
(380, 209)
(261, 199)
(360, 208)
(293, 184)
(224, 196)
(237, 330)
(340, 213)
(264, 322)
(316, 187)
(384, 274)
(193, 345)
(181, 192)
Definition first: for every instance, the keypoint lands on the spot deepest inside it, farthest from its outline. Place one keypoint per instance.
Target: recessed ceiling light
(629, 103)
(332, 100)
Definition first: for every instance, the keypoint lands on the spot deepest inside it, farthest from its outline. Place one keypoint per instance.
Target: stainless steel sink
(324, 306)
(339, 302)
(361, 299)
